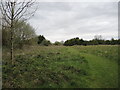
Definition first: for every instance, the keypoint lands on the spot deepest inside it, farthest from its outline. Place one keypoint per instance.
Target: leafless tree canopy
(15, 10)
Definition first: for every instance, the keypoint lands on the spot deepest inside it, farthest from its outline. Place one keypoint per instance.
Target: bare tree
(12, 11)
(98, 37)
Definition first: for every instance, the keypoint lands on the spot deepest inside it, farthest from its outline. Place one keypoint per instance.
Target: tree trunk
(12, 24)
(11, 44)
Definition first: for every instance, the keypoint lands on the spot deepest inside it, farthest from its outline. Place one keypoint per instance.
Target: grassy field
(62, 67)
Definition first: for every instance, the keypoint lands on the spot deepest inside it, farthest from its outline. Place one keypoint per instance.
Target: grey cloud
(61, 21)
(55, 6)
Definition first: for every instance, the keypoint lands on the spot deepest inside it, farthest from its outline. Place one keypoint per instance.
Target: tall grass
(59, 67)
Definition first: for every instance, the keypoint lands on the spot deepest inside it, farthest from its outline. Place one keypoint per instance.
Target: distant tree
(76, 40)
(89, 42)
(81, 42)
(66, 43)
(85, 43)
(112, 41)
(95, 42)
(71, 42)
(98, 40)
(45, 43)
(118, 41)
(40, 39)
(62, 42)
(98, 37)
(57, 43)
(107, 42)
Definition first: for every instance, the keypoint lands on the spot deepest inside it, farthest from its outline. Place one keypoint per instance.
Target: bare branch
(4, 11)
(22, 9)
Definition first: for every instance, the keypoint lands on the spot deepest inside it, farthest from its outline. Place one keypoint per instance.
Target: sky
(60, 21)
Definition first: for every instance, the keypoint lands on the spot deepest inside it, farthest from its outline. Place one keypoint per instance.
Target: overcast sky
(65, 20)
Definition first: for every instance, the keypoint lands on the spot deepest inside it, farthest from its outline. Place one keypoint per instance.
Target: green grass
(103, 72)
(61, 67)
(108, 51)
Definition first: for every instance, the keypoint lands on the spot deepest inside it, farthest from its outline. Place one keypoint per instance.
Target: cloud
(64, 20)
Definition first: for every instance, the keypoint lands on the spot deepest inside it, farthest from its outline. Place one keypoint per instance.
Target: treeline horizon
(76, 41)
(24, 34)
(96, 41)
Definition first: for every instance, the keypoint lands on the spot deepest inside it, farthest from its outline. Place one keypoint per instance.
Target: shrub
(40, 39)
(45, 43)
(57, 43)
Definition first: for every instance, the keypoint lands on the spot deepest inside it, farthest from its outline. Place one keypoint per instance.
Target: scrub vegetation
(62, 67)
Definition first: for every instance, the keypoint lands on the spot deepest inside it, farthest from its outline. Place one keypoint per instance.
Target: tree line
(96, 41)
(25, 35)
(76, 41)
